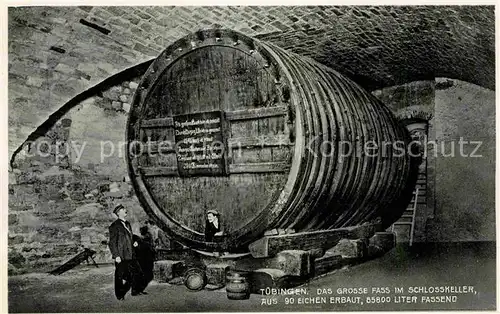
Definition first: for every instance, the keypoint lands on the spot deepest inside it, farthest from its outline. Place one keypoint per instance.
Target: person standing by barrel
(212, 225)
(146, 256)
(128, 273)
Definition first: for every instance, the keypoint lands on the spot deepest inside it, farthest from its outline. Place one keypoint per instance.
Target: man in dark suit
(128, 273)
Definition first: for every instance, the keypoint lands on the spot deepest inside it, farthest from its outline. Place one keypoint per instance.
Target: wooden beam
(158, 123)
(274, 141)
(324, 239)
(166, 147)
(159, 171)
(258, 113)
(230, 115)
(260, 167)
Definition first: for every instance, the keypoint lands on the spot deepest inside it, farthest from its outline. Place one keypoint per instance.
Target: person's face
(210, 217)
(122, 213)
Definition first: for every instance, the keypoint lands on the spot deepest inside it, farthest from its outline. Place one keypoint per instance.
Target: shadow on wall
(465, 178)
(460, 203)
(62, 188)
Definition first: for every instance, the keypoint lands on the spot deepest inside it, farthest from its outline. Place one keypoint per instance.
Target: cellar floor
(88, 289)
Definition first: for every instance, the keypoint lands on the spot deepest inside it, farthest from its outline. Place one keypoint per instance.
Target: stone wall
(460, 199)
(465, 181)
(62, 189)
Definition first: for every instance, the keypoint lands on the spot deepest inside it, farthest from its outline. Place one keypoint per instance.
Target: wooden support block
(327, 263)
(380, 243)
(291, 262)
(216, 273)
(270, 245)
(316, 253)
(259, 167)
(278, 231)
(271, 232)
(294, 262)
(158, 123)
(166, 270)
(349, 248)
(159, 171)
(256, 113)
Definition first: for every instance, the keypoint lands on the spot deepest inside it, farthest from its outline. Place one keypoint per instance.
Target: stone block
(15, 240)
(114, 187)
(112, 93)
(216, 273)
(103, 103)
(16, 259)
(271, 232)
(123, 98)
(116, 105)
(13, 219)
(126, 107)
(380, 243)
(63, 68)
(66, 123)
(35, 81)
(133, 85)
(12, 270)
(86, 67)
(114, 194)
(106, 67)
(12, 178)
(166, 270)
(27, 177)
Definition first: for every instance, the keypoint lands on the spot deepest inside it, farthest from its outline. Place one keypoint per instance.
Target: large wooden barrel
(265, 137)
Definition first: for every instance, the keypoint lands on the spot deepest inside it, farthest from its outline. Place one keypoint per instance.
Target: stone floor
(89, 289)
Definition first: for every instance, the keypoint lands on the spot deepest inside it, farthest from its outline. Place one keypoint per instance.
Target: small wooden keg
(237, 286)
(195, 279)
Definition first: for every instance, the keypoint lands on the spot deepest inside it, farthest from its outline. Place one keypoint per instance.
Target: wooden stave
(349, 190)
(304, 121)
(340, 165)
(386, 173)
(298, 207)
(301, 222)
(357, 127)
(375, 172)
(332, 129)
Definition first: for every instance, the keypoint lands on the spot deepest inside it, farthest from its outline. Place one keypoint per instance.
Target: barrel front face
(210, 129)
(266, 138)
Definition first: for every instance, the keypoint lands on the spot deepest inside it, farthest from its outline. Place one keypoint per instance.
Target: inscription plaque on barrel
(260, 135)
(200, 144)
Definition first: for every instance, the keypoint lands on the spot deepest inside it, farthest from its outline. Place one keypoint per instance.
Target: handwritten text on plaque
(200, 144)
